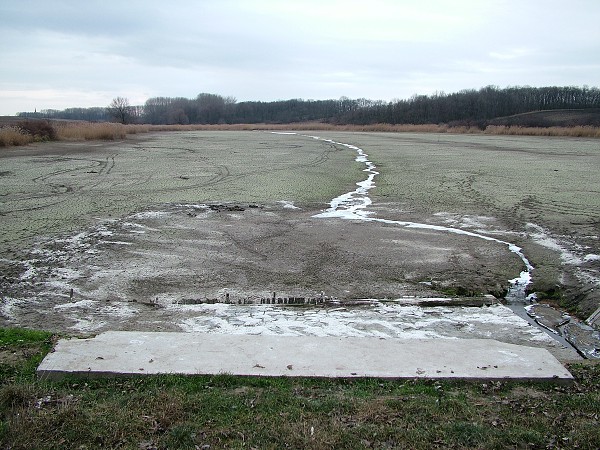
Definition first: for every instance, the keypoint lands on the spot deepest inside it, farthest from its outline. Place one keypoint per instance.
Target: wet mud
(151, 263)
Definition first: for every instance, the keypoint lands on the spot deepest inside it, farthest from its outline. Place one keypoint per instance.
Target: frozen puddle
(383, 320)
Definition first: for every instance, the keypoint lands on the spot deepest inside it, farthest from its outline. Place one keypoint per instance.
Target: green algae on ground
(60, 187)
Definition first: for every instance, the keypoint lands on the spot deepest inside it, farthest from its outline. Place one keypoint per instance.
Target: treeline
(468, 107)
(476, 107)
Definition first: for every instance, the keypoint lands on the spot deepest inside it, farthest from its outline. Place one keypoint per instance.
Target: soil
(114, 245)
(185, 252)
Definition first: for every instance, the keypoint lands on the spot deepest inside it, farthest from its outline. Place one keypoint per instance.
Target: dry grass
(576, 131)
(83, 131)
(12, 135)
(315, 126)
(86, 131)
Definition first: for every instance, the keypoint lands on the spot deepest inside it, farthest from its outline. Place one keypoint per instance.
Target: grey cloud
(267, 49)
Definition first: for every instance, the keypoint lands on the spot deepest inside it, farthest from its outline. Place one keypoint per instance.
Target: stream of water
(354, 205)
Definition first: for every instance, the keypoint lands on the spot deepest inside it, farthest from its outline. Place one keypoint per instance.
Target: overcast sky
(59, 54)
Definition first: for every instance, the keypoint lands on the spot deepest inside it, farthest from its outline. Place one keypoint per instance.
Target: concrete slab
(127, 353)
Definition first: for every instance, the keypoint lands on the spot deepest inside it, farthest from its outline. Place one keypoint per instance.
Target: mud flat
(145, 234)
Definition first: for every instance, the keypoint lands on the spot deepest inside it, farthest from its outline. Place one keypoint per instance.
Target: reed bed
(14, 135)
(576, 131)
(84, 131)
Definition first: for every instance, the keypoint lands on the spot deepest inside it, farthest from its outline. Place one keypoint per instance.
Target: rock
(584, 338)
(594, 319)
(548, 317)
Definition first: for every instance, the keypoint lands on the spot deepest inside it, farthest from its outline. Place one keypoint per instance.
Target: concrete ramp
(117, 353)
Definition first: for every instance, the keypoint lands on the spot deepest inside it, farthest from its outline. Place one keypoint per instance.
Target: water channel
(354, 206)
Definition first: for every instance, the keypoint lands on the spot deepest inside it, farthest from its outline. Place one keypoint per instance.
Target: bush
(40, 130)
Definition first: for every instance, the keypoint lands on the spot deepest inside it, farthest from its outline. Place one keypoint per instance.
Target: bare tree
(120, 109)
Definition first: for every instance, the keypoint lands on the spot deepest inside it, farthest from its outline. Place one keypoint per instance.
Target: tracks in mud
(111, 166)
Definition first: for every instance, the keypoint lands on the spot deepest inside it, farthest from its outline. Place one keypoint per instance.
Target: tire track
(225, 174)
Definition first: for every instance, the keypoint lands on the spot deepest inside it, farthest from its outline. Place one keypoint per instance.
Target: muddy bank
(536, 192)
(140, 273)
(138, 259)
(203, 251)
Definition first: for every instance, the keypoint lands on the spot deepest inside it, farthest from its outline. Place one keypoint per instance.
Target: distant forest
(468, 107)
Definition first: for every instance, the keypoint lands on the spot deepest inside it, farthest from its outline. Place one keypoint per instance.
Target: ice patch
(150, 215)
(8, 304)
(196, 206)
(30, 273)
(87, 324)
(118, 310)
(137, 228)
(480, 224)
(571, 254)
(382, 320)
(543, 238)
(287, 204)
(79, 304)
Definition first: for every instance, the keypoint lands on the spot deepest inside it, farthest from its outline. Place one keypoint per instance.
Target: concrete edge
(132, 354)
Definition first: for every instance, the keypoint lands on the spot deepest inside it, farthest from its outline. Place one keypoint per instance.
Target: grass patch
(15, 337)
(21, 351)
(238, 412)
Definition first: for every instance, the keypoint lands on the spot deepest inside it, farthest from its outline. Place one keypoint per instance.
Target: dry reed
(576, 131)
(12, 135)
(86, 131)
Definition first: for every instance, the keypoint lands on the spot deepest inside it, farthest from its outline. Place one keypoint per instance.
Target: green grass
(248, 412)
(19, 337)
